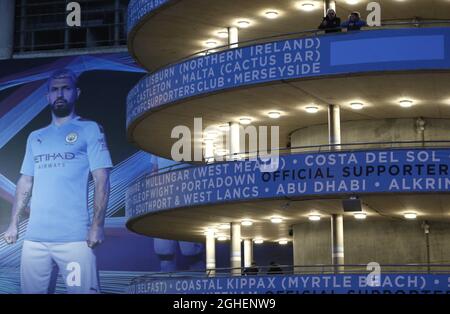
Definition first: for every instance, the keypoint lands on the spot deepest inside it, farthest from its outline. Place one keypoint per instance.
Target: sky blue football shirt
(60, 159)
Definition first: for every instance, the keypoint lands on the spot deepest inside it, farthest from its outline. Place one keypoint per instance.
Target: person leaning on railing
(354, 22)
(331, 23)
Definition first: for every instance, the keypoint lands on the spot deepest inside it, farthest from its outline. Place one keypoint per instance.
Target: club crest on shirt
(71, 137)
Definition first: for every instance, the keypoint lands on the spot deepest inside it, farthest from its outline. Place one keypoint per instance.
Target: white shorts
(76, 262)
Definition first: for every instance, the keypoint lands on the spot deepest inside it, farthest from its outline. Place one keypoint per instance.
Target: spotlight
(243, 23)
(258, 241)
(211, 43)
(246, 222)
(410, 215)
(245, 121)
(274, 114)
(360, 215)
(405, 103)
(271, 14)
(312, 109)
(283, 242)
(276, 219)
(356, 105)
(314, 217)
(306, 6)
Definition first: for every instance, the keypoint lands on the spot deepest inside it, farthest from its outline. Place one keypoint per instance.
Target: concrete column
(334, 126)
(337, 242)
(328, 4)
(248, 252)
(235, 141)
(210, 252)
(235, 256)
(233, 37)
(6, 28)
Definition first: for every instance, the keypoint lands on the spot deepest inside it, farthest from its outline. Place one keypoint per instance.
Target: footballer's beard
(61, 108)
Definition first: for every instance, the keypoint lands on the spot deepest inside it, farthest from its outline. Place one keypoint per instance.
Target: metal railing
(285, 270)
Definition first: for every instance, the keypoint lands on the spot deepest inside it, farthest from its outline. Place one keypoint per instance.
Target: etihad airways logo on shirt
(54, 157)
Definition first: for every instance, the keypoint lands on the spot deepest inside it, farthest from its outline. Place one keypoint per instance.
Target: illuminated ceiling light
(312, 109)
(274, 114)
(211, 43)
(410, 215)
(283, 242)
(222, 238)
(405, 103)
(243, 23)
(306, 6)
(271, 14)
(352, 2)
(245, 121)
(314, 217)
(276, 219)
(360, 215)
(246, 222)
(224, 226)
(258, 241)
(223, 34)
(356, 105)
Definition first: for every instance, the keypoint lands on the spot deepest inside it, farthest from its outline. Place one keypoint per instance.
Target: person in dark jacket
(354, 22)
(252, 270)
(274, 269)
(331, 23)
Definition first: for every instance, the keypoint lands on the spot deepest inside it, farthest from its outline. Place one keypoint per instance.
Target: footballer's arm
(22, 198)
(101, 196)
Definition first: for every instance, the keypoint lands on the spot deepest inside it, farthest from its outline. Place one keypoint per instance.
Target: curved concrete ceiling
(189, 224)
(180, 29)
(380, 94)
